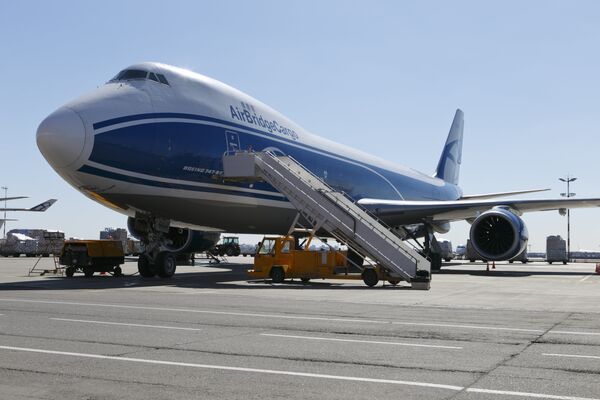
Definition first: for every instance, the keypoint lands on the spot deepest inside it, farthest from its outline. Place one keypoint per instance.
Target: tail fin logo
(448, 167)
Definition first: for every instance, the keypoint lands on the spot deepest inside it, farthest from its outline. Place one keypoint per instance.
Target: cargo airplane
(149, 144)
(39, 208)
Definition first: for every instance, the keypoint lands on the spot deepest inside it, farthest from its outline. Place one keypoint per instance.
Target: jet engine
(498, 234)
(176, 240)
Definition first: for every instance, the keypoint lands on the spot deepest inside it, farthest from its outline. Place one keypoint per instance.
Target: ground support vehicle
(248, 249)
(556, 250)
(282, 257)
(89, 256)
(229, 246)
(446, 250)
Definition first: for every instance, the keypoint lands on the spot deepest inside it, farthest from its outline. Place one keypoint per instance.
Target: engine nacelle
(188, 241)
(498, 234)
(177, 240)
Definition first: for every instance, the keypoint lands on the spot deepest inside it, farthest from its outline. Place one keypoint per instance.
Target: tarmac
(516, 332)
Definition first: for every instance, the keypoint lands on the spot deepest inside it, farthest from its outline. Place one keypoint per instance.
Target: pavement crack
(510, 357)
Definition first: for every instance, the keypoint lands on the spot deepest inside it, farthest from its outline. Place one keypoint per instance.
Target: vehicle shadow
(234, 278)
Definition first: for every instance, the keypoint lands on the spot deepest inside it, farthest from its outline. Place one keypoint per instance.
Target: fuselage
(152, 140)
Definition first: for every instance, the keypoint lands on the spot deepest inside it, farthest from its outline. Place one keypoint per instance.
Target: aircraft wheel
(166, 265)
(117, 271)
(88, 272)
(370, 277)
(145, 269)
(69, 272)
(277, 274)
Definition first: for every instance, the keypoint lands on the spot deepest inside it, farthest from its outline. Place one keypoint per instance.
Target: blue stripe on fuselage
(149, 182)
(168, 149)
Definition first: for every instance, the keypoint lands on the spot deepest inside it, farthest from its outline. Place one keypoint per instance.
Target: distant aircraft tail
(448, 167)
(43, 206)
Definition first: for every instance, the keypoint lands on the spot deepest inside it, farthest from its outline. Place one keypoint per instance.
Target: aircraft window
(132, 74)
(128, 74)
(162, 79)
(153, 77)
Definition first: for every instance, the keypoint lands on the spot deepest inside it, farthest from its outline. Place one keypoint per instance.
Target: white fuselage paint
(191, 100)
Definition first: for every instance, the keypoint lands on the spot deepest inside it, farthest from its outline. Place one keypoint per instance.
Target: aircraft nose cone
(61, 137)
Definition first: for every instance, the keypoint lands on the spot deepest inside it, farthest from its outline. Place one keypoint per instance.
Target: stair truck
(283, 257)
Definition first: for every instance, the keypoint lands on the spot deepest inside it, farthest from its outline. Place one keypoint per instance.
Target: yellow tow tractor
(283, 257)
(89, 256)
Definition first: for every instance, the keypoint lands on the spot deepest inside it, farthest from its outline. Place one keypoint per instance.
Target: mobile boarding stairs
(328, 209)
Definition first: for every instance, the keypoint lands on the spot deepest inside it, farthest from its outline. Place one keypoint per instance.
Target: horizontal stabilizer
(500, 194)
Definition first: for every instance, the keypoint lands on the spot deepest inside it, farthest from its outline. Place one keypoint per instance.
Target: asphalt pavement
(519, 331)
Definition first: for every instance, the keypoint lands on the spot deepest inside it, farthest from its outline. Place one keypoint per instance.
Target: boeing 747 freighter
(149, 144)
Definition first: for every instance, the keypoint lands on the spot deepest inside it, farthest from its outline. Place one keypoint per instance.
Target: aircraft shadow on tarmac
(514, 272)
(236, 278)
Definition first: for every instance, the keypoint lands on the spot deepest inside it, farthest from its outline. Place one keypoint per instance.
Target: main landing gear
(163, 265)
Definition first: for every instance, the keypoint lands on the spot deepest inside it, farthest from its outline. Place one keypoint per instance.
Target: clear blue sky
(382, 76)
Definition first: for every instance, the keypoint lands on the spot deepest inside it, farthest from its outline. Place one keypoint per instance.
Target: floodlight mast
(568, 179)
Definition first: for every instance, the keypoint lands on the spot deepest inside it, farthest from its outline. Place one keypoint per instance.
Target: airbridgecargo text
(248, 115)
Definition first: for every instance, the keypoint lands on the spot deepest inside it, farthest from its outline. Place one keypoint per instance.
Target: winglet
(43, 206)
(448, 167)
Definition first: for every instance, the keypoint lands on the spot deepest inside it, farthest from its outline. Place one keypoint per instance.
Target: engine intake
(498, 234)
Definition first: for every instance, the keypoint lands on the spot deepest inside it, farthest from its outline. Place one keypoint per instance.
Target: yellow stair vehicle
(89, 256)
(282, 257)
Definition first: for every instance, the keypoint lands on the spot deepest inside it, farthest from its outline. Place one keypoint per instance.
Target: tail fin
(43, 206)
(448, 167)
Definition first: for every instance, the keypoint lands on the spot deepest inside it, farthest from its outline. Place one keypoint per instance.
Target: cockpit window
(162, 79)
(131, 74)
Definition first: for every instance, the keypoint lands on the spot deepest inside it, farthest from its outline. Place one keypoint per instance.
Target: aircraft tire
(166, 265)
(145, 269)
(370, 277)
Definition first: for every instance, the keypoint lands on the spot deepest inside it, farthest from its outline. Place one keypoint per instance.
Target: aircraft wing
(12, 198)
(500, 194)
(402, 212)
(39, 208)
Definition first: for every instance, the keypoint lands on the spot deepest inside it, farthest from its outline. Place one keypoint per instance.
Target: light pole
(5, 195)
(568, 179)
